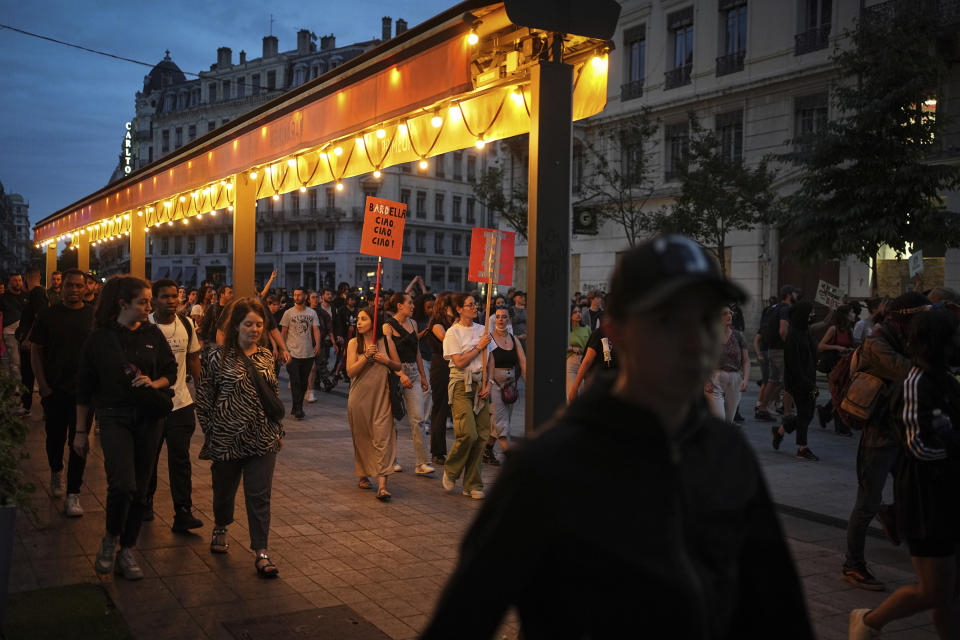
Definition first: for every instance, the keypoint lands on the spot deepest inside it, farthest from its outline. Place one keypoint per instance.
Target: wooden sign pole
(376, 300)
(486, 317)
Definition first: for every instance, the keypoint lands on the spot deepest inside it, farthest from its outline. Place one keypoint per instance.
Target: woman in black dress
(439, 377)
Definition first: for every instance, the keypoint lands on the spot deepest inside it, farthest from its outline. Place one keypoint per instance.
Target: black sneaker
(738, 418)
(439, 461)
(184, 520)
(777, 437)
(823, 417)
(489, 457)
(806, 454)
(860, 577)
(887, 518)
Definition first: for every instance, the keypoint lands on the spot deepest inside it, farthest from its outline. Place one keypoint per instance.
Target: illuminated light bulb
(291, 163)
(150, 209)
(170, 224)
(223, 183)
(403, 129)
(303, 189)
(930, 102)
(140, 213)
(436, 121)
(423, 165)
(359, 141)
(253, 175)
(230, 208)
(229, 186)
(199, 216)
(168, 204)
(81, 232)
(185, 221)
(206, 191)
(481, 143)
(194, 194)
(275, 197)
(182, 199)
(597, 62)
(473, 38)
(337, 151)
(381, 133)
(454, 111)
(376, 173)
(126, 216)
(339, 186)
(36, 246)
(127, 233)
(214, 212)
(517, 97)
(157, 225)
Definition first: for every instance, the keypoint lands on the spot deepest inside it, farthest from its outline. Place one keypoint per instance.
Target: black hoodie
(644, 535)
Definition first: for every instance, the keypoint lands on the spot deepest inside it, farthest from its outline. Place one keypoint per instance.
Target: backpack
(857, 395)
(188, 324)
(770, 325)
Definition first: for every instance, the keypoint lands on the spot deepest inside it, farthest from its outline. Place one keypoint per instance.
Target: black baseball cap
(653, 271)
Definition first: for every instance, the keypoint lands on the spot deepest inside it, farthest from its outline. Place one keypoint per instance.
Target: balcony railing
(730, 63)
(812, 39)
(677, 77)
(631, 90)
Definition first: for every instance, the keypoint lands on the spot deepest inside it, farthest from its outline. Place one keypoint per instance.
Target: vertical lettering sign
(383, 228)
(128, 150)
(492, 247)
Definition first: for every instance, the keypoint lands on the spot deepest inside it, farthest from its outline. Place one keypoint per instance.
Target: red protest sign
(491, 250)
(383, 228)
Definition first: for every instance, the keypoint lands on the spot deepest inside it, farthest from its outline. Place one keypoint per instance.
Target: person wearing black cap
(696, 546)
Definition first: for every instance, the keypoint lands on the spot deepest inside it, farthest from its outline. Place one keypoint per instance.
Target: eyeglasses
(472, 305)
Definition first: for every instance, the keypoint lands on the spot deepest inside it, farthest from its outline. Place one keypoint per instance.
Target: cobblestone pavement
(336, 544)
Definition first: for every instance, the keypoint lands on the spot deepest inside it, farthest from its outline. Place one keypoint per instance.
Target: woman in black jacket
(125, 368)
(799, 379)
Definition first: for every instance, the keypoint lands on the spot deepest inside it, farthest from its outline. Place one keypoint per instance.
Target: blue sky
(63, 110)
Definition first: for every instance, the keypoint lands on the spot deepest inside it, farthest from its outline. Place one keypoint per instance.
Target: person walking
(577, 346)
(705, 555)
(369, 359)
(729, 379)
(301, 334)
(775, 324)
(55, 290)
(883, 355)
(240, 439)
(927, 482)
(124, 364)
(799, 379)
(440, 321)
(504, 361)
(57, 338)
(213, 315)
(402, 330)
(836, 342)
(12, 303)
(36, 302)
(466, 346)
(179, 425)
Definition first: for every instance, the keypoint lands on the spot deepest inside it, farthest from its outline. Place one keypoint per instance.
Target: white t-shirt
(300, 326)
(178, 337)
(460, 339)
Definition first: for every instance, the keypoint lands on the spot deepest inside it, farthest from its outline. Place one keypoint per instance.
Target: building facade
(14, 232)
(759, 73)
(310, 237)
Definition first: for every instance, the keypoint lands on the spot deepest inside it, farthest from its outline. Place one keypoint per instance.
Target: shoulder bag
(269, 400)
(150, 402)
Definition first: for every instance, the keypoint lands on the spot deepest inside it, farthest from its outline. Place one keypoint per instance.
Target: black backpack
(770, 325)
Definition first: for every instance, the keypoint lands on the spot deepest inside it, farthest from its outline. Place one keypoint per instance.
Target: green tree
(719, 193)
(505, 196)
(617, 180)
(866, 180)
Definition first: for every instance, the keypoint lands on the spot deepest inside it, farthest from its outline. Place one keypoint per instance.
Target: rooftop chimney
(387, 26)
(304, 40)
(243, 57)
(270, 46)
(401, 25)
(328, 42)
(224, 58)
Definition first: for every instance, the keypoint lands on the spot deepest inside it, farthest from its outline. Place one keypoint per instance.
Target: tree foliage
(617, 179)
(718, 194)
(866, 181)
(506, 197)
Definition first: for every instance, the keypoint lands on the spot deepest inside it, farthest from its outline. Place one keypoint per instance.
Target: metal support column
(83, 253)
(548, 232)
(138, 246)
(244, 235)
(50, 263)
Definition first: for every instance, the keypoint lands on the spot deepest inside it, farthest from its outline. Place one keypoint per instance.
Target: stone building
(311, 237)
(14, 232)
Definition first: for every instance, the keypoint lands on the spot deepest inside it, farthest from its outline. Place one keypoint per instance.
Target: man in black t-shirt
(57, 338)
(774, 330)
(36, 301)
(12, 303)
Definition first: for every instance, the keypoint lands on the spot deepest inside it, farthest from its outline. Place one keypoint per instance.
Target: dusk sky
(63, 110)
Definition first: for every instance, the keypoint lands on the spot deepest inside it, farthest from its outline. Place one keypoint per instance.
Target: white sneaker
(127, 565)
(71, 506)
(56, 484)
(858, 629)
(311, 397)
(104, 561)
(423, 469)
(476, 494)
(397, 467)
(449, 484)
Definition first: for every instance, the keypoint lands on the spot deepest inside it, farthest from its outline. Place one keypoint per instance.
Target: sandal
(383, 495)
(365, 483)
(218, 543)
(267, 569)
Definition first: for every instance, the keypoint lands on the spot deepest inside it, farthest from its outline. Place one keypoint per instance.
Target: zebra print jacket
(229, 410)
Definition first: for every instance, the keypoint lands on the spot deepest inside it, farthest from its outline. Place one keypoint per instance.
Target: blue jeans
(873, 465)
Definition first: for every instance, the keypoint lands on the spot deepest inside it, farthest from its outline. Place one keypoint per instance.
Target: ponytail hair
(124, 288)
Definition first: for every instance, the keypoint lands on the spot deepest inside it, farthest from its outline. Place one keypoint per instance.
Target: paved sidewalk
(335, 544)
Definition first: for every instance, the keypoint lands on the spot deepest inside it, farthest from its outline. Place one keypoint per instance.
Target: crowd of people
(143, 364)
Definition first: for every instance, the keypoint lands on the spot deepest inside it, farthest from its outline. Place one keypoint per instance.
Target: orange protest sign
(491, 255)
(383, 228)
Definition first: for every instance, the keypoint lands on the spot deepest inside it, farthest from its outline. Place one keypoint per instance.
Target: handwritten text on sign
(828, 295)
(383, 228)
(492, 248)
